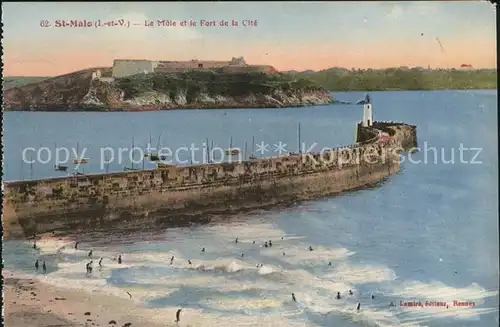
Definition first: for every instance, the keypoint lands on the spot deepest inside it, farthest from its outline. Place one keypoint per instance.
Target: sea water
(429, 233)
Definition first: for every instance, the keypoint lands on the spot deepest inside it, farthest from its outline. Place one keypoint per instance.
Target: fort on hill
(128, 67)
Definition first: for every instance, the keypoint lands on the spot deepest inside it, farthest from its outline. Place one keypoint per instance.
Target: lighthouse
(367, 112)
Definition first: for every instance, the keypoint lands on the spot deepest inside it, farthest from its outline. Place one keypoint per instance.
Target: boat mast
(31, 167)
(207, 150)
(55, 150)
(298, 138)
(132, 149)
(253, 146)
(211, 148)
(22, 165)
(246, 143)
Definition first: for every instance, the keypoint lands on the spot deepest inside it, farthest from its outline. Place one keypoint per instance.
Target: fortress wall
(122, 68)
(250, 68)
(177, 192)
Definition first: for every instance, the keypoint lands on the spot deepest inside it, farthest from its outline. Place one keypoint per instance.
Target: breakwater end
(187, 194)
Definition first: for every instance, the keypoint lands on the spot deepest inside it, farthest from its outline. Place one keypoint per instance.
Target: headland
(140, 85)
(181, 195)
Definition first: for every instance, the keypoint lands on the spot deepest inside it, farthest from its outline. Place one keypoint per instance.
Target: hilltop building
(126, 67)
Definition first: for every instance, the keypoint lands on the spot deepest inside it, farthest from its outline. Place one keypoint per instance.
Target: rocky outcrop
(81, 91)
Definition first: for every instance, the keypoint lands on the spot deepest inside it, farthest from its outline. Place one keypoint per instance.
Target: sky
(288, 35)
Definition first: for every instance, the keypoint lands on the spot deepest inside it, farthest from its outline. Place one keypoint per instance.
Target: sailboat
(231, 151)
(155, 156)
(58, 167)
(79, 161)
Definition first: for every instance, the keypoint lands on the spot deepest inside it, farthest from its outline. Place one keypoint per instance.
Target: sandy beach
(29, 302)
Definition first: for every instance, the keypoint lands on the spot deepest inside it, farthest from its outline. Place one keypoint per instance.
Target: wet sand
(29, 302)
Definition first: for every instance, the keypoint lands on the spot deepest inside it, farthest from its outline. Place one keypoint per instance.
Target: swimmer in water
(293, 298)
(265, 244)
(373, 297)
(76, 245)
(44, 267)
(178, 315)
(203, 250)
(242, 255)
(392, 304)
(236, 240)
(283, 253)
(253, 242)
(330, 263)
(270, 243)
(90, 253)
(100, 262)
(358, 306)
(172, 260)
(350, 292)
(189, 261)
(36, 265)
(338, 296)
(89, 267)
(281, 237)
(120, 258)
(34, 245)
(310, 248)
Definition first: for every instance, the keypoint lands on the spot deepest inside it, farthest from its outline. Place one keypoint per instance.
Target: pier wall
(183, 194)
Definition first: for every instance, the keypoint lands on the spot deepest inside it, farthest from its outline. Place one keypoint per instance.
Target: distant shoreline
(224, 107)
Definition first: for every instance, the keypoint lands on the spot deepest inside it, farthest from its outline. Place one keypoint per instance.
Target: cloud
(418, 8)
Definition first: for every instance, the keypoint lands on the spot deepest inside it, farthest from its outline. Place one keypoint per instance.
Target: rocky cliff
(156, 91)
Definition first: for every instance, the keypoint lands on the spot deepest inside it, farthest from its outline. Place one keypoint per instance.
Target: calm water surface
(430, 233)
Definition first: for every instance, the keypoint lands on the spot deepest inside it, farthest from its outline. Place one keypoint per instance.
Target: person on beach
(265, 244)
(100, 262)
(242, 255)
(90, 253)
(36, 265)
(270, 244)
(293, 298)
(76, 245)
(236, 240)
(338, 295)
(283, 253)
(253, 242)
(44, 267)
(178, 316)
(120, 259)
(330, 263)
(310, 248)
(203, 250)
(358, 306)
(34, 245)
(189, 261)
(172, 260)
(350, 292)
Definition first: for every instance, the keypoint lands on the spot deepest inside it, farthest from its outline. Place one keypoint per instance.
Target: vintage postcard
(250, 164)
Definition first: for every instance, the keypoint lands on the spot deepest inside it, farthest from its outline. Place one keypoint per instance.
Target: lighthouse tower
(367, 112)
